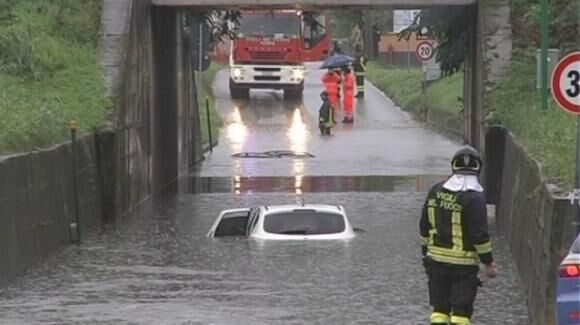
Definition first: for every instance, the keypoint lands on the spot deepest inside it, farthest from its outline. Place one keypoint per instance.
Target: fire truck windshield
(269, 26)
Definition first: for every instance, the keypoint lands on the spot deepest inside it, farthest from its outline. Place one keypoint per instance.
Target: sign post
(544, 31)
(424, 52)
(566, 92)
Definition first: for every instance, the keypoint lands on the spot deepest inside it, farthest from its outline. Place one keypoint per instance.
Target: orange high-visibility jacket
(331, 80)
(349, 84)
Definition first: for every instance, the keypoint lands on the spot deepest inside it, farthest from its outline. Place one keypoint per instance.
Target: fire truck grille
(264, 69)
(266, 78)
(270, 56)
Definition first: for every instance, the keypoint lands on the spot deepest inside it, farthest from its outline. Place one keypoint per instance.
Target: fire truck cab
(268, 54)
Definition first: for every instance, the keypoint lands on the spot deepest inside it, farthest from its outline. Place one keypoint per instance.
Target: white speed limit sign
(424, 51)
(566, 83)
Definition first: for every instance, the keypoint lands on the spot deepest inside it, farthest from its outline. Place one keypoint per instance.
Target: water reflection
(298, 135)
(300, 184)
(298, 132)
(237, 132)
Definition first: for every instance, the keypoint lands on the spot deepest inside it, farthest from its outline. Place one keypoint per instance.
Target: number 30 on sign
(566, 83)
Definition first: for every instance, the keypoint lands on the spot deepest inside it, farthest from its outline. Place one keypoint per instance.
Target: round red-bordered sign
(566, 83)
(424, 50)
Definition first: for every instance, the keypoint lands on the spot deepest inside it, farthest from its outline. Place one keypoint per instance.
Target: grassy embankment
(49, 72)
(404, 87)
(208, 77)
(548, 135)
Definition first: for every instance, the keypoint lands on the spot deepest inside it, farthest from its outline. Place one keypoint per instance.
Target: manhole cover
(274, 154)
(252, 155)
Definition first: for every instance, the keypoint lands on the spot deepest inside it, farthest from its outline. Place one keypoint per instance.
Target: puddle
(309, 184)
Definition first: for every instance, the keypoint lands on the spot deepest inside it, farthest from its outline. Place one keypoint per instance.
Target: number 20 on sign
(566, 83)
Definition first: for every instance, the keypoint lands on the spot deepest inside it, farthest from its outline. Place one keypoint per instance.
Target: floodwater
(157, 266)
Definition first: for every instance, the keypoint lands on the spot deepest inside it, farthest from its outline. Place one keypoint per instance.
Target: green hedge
(404, 87)
(549, 135)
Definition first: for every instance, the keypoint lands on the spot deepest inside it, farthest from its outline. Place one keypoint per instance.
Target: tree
(220, 22)
(565, 25)
(223, 23)
(343, 21)
(450, 27)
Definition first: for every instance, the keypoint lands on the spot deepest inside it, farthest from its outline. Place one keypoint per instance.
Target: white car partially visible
(285, 222)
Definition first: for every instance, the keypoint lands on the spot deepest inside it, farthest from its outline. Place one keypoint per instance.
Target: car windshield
(576, 246)
(268, 26)
(304, 223)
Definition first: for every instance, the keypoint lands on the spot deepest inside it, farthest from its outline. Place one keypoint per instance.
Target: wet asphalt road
(383, 141)
(157, 266)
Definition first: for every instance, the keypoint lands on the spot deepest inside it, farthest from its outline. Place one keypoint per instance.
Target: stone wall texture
(37, 202)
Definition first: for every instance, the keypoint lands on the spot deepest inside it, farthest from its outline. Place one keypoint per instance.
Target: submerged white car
(284, 222)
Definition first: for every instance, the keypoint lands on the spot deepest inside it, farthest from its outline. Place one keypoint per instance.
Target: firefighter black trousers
(360, 83)
(452, 288)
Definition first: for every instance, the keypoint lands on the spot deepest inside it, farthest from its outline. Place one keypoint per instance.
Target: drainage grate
(274, 154)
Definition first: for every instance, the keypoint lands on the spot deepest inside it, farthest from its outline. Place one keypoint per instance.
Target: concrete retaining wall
(537, 221)
(127, 31)
(146, 60)
(36, 202)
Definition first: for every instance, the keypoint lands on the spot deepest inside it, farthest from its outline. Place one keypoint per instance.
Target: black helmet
(324, 95)
(466, 161)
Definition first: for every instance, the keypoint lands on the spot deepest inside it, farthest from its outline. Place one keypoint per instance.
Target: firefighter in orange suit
(349, 84)
(331, 81)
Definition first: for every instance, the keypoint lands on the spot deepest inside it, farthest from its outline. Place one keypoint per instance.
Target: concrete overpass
(312, 4)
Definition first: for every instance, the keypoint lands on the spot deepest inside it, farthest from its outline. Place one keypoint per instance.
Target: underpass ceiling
(311, 4)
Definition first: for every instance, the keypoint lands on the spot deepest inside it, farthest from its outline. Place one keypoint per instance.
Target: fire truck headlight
(237, 72)
(298, 73)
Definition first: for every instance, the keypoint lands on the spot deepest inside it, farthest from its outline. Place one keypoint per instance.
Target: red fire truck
(315, 39)
(269, 52)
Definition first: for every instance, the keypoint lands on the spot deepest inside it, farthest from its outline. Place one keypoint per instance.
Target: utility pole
(544, 25)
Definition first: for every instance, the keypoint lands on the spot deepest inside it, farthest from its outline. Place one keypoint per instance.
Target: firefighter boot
(438, 318)
(460, 320)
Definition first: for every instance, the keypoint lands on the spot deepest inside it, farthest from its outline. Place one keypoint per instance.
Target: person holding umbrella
(331, 81)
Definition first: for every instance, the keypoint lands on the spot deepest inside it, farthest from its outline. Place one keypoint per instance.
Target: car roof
(292, 207)
(575, 248)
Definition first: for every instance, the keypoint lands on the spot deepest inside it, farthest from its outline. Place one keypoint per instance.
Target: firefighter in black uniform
(325, 115)
(336, 49)
(454, 239)
(359, 67)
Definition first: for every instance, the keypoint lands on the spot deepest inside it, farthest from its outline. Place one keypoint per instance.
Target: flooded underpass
(157, 266)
